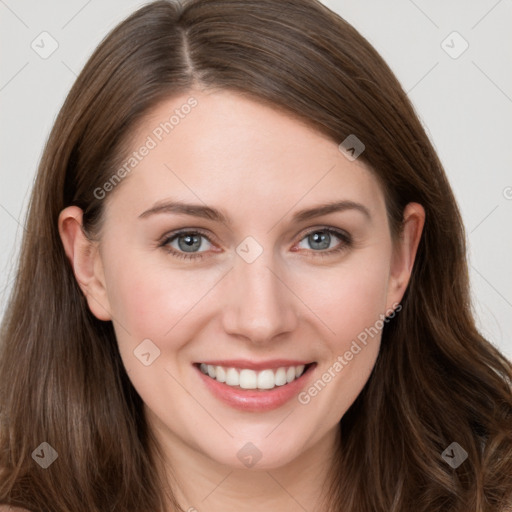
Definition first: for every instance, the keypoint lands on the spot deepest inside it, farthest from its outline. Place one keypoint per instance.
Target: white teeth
(232, 377)
(220, 374)
(281, 377)
(266, 379)
(248, 379)
(251, 379)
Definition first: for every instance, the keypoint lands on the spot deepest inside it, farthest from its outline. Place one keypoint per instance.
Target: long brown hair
(436, 379)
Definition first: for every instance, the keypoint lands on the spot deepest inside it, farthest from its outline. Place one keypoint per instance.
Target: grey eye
(319, 240)
(188, 242)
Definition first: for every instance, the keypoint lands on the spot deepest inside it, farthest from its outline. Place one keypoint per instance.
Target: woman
(243, 285)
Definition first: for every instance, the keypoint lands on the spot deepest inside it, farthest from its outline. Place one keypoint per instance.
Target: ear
(85, 259)
(404, 253)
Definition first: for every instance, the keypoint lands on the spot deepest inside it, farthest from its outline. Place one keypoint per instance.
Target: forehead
(224, 149)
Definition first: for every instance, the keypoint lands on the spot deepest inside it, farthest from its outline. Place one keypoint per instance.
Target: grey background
(465, 103)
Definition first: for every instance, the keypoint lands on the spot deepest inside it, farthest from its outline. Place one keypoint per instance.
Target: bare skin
(259, 167)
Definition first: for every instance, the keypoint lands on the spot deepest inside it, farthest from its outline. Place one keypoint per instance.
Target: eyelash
(346, 242)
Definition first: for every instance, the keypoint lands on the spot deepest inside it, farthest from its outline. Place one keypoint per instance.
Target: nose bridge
(259, 306)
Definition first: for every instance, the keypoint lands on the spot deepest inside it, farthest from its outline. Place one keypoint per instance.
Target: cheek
(352, 307)
(142, 303)
(150, 302)
(148, 299)
(353, 296)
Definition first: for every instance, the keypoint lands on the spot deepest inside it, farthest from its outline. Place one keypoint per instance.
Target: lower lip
(251, 400)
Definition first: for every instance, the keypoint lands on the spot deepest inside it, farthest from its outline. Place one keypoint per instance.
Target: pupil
(322, 240)
(187, 242)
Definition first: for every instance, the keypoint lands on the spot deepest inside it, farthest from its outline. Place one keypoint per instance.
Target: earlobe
(404, 253)
(85, 261)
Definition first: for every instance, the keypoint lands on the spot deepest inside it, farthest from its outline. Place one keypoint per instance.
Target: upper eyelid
(172, 236)
(336, 231)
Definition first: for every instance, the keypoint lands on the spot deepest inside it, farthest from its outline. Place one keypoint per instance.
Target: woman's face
(262, 277)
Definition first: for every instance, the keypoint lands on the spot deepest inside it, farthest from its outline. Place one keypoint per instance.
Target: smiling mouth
(264, 380)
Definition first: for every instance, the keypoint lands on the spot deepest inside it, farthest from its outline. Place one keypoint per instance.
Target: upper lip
(255, 365)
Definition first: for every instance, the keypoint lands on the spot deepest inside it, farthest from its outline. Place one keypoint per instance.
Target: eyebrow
(207, 212)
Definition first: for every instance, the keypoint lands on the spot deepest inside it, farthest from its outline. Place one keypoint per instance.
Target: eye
(323, 241)
(187, 244)
(192, 244)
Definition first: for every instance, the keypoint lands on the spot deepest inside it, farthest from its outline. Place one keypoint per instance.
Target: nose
(259, 304)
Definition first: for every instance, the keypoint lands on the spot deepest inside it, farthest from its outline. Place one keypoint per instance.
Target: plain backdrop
(453, 58)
